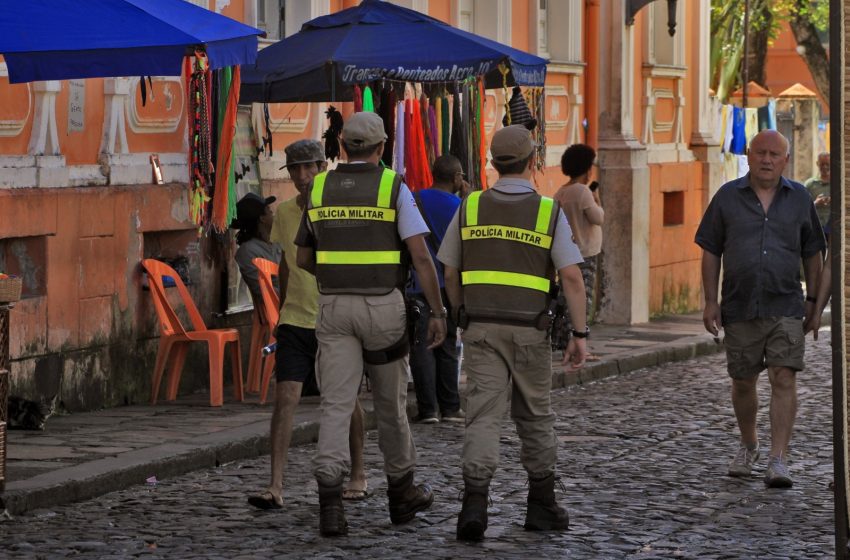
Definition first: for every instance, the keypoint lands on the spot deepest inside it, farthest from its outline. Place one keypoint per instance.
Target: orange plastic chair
(269, 313)
(174, 340)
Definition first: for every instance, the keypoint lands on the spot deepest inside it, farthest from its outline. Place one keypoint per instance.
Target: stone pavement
(643, 459)
(83, 455)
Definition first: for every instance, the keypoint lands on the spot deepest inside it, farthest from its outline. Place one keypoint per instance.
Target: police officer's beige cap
(511, 144)
(363, 129)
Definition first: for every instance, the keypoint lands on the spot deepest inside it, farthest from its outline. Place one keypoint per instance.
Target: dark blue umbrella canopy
(376, 40)
(64, 39)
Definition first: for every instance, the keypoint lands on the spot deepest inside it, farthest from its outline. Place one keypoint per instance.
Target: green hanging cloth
(368, 103)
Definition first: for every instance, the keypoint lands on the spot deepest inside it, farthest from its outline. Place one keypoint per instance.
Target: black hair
(248, 231)
(445, 168)
(359, 151)
(514, 168)
(577, 160)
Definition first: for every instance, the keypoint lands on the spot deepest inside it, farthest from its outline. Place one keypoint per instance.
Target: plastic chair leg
(268, 370)
(236, 369)
(162, 356)
(178, 358)
(216, 374)
(255, 357)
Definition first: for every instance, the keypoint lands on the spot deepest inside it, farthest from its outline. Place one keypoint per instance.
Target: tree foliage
(766, 17)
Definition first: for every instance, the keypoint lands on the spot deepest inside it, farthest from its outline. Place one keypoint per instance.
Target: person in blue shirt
(435, 372)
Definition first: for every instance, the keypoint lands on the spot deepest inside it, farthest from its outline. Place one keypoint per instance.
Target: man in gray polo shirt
(761, 225)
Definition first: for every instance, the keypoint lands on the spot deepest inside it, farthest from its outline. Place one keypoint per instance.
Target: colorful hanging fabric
(409, 158)
(739, 138)
(368, 102)
(399, 148)
(427, 144)
(457, 146)
(358, 99)
(771, 114)
(751, 123)
(720, 130)
(445, 125)
(387, 111)
(466, 132)
(729, 129)
(435, 132)
(198, 76)
(417, 169)
(438, 117)
(224, 201)
(482, 137)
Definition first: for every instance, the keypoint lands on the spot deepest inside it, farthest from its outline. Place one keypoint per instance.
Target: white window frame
(564, 29)
(652, 30)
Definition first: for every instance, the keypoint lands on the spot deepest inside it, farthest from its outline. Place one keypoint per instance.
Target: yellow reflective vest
(507, 268)
(352, 211)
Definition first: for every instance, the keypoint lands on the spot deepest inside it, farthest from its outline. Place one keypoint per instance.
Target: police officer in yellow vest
(360, 222)
(500, 252)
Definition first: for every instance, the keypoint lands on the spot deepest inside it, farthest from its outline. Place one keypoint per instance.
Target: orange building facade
(79, 208)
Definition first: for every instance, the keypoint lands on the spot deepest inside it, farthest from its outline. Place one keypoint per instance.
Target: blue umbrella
(64, 39)
(378, 40)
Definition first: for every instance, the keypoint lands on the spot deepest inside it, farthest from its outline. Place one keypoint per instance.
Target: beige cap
(511, 144)
(363, 129)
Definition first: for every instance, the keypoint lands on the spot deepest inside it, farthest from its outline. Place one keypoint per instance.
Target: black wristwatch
(811, 299)
(580, 334)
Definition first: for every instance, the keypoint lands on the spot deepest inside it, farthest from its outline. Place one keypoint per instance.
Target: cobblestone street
(643, 458)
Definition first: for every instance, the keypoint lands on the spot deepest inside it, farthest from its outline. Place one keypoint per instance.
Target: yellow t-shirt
(302, 293)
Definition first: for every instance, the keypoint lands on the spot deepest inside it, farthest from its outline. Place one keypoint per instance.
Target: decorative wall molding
(141, 124)
(657, 124)
(116, 91)
(44, 138)
(556, 119)
(14, 127)
(135, 169)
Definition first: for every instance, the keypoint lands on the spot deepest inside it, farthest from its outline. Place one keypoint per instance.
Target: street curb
(676, 352)
(95, 478)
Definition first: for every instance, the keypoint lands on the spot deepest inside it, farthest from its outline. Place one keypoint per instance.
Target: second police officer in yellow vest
(360, 225)
(500, 253)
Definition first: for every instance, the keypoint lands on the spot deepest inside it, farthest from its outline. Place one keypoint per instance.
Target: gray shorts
(753, 345)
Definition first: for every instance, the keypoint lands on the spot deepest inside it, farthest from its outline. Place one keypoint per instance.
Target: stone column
(623, 176)
(804, 145)
(705, 146)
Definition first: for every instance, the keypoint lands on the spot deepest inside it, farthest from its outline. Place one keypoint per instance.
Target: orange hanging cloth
(224, 169)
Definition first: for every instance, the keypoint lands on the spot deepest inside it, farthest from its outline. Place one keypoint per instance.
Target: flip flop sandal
(355, 495)
(264, 501)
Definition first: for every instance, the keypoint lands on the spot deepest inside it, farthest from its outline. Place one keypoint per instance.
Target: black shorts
(295, 357)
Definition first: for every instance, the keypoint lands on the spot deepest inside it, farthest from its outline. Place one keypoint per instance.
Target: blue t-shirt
(439, 208)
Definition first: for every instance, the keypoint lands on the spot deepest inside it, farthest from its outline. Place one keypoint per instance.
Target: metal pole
(746, 68)
(837, 81)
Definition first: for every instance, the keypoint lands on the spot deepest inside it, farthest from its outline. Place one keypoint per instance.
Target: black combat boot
(544, 513)
(332, 521)
(472, 521)
(406, 499)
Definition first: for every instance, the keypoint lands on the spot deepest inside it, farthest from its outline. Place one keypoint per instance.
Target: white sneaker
(742, 464)
(776, 475)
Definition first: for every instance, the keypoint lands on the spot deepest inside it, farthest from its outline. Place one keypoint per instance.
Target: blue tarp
(63, 39)
(377, 40)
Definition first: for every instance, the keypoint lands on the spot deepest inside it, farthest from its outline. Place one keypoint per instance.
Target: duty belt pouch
(398, 350)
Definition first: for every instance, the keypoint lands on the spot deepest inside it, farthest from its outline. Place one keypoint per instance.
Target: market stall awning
(63, 39)
(376, 40)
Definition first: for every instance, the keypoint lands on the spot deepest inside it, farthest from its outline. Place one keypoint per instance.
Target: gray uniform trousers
(346, 324)
(502, 360)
